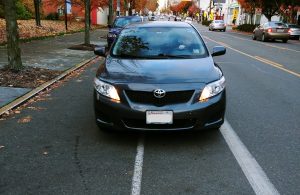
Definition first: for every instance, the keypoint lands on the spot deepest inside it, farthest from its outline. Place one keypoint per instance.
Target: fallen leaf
(45, 153)
(26, 119)
(17, 112)
(2, 147)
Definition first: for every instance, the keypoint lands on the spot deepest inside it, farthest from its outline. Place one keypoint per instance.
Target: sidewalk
(51, 53)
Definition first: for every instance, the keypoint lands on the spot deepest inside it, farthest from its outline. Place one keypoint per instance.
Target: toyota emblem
(159, 93)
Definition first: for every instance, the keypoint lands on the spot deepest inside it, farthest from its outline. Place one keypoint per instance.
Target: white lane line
(138, 168)
(254, 173)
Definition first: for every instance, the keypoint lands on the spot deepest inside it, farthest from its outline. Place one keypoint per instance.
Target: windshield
(121, 22)
(159, 42)
(279, 24)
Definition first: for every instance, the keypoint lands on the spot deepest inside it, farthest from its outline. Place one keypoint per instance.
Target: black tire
(284, 40)
(253, 36)
(224, 30)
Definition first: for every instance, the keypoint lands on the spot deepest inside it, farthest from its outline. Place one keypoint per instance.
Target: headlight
(106, 89)
(212, 89)
(111, 35)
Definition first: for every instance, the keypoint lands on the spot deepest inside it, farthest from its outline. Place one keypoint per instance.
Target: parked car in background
(294, 31)
(145, 18)
(159, 76)
(217, 25)
(118, 25)
(271, 31)
(188, 20)
(153, 18)
(177, 18)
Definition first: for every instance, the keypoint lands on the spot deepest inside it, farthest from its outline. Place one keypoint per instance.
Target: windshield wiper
(173, 56)
(130, 56)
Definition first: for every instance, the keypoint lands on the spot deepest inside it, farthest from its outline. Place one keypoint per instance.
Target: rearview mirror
(218, 51)
(100, 51)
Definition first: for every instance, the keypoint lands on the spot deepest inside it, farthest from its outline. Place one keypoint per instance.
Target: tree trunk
(269, 17)
(87, 22)
(13, 49)
(37, 12)
(251, 18)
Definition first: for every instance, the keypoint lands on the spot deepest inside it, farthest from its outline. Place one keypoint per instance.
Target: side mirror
(218, 51)
(100, 51)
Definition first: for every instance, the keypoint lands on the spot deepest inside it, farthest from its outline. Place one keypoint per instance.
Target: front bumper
(194, 116)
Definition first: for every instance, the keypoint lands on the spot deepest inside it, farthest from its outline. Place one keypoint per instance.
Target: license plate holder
(280, 30)
(159, 117)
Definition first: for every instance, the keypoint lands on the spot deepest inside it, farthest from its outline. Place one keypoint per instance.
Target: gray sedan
(294, 31)
(271, 31)
(217, 25)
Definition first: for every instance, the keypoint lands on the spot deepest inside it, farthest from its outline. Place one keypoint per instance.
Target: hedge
(246, 27)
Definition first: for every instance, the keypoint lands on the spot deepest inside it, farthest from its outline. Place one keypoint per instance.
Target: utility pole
(66, 15)
(111, 12)
(210, 1)
(118, 7)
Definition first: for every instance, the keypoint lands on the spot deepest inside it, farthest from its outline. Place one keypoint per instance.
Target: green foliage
(1, 10)
(246, 27)
(22, 12)
(206, 22)
(52, 16)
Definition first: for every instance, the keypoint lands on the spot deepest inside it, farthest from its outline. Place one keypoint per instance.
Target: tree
(249, 7)
(151, 5)
(13, 49)
(269, 8)
(288, 9)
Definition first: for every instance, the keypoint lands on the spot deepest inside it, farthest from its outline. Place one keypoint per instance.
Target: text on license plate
(280, 30)
(159, 117)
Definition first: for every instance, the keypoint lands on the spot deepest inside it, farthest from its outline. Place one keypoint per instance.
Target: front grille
(172, 97)
(177, 124)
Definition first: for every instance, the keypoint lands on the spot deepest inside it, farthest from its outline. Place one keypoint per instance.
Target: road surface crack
(78, 163)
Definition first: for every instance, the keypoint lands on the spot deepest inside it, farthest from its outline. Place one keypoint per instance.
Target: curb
(35, 91)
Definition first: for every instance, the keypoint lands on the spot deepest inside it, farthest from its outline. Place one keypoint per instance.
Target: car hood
(165, 71)
(115, 30)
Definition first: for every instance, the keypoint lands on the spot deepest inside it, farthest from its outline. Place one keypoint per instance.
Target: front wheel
(284, 40)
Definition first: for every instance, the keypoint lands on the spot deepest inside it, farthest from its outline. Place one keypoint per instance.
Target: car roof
(159, 24)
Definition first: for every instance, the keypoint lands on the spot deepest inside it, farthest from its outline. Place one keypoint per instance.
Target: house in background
(98, 16)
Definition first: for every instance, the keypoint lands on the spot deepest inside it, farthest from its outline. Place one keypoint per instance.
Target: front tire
(284, 40)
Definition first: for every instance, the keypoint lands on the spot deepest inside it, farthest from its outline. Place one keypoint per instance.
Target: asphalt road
(61, 151)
